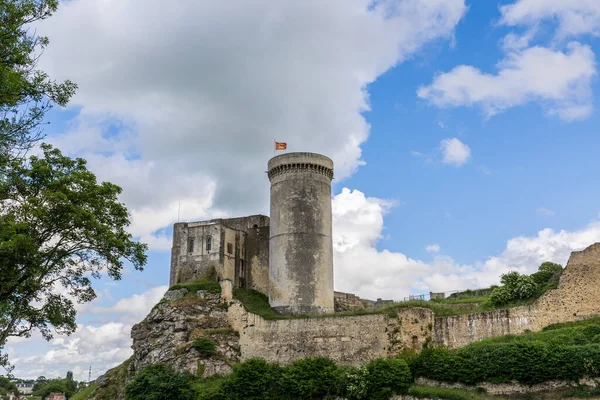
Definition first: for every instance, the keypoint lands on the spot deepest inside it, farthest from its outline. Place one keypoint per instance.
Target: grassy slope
(84, 394)
(258, 303)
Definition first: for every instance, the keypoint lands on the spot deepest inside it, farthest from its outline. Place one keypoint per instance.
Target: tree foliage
(58, 228)
(26, 93)
(160, 382)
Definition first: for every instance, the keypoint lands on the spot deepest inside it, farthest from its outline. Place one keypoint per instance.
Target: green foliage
(256, 302)
(547, 272)
(254, 379)
(310, 378)
(515, 287)
(160, 382)
(84, 393)
(54, 385)
(386, 377)
(26, 93)
(116, 383)
(57, 225)
(434, 392)
(7, 385)
(193, 287)
(205, 347)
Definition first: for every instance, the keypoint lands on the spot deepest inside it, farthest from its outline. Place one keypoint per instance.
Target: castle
(288, 256)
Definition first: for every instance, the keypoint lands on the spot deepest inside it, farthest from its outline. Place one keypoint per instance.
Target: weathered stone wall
(348, 301)
(346, 340)
(577, 297)
(357, 339)
(257, 253)
(301, 247)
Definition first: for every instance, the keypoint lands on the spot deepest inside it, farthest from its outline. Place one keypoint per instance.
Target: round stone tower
(300, 243)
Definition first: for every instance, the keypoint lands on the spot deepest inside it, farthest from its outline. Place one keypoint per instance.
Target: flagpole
(274, 146)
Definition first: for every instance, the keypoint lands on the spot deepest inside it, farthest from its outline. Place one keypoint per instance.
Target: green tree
(386, 377)
(26, 93)
(547, 272)
(160, 382)
(514, 287)
(58, 227)
(71, 384)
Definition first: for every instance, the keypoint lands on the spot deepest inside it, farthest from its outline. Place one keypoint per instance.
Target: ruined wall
(357, 339)
(189, 265)
(257, 254)
(577, 297)
(346, 340)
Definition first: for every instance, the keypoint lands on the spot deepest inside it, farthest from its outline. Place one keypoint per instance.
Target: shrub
(387, 377)
(515, 287)
(547, 272)
(353, 382)
(310, 378)
(254, 379)
(160, 382)
(209, 286)
(205, 347)
(527, 362)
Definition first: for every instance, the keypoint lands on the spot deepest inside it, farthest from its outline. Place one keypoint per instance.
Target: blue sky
(464, 135)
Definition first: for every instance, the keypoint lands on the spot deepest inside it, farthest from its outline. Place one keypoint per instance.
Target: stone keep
(300, 241)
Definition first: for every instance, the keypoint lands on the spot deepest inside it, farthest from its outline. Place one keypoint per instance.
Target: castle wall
(257, 254)
(357, 339)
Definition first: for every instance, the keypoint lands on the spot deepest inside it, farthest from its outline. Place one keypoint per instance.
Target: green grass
(567, 334)
(434, 392)
(209, 286)
(258, 303)
(84, 394)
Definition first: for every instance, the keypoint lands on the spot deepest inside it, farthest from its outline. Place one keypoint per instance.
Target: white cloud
(546, 211)
(180, 103)
(102, 347)
(454, 152)
(576, 17)
(559, 81)
(433, 248)
(136, 306)
(362, 269)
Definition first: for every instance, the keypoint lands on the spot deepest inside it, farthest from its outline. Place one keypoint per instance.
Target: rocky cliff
(170, 334)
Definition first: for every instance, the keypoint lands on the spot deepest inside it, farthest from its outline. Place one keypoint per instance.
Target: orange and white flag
(280, 146)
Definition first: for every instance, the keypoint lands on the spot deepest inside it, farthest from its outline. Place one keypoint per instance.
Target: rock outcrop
(168, 335)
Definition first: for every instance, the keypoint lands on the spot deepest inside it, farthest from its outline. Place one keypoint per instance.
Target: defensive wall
(356, 339)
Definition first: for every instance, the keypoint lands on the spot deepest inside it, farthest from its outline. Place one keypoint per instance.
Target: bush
(205, 347)
(160, 382)
(527, 362)
(547, 272)
(387, 377)
(193, 287)
(254, 379)
(310, 378)
(515, 287)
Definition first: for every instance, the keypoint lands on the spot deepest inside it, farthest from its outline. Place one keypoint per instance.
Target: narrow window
(229, 248)
(208, 243)
(191, 246)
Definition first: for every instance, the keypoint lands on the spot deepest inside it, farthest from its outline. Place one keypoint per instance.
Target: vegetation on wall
(564, 352)
(194, 286)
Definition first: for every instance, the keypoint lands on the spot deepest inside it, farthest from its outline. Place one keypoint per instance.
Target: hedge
(525, 362)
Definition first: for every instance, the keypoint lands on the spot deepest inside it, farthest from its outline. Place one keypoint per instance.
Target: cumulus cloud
(433, 248)
(101, 346)
(574, 17)
(454, 152)
(546, 211)
(559, 81)
(181, 106)
(361, 268)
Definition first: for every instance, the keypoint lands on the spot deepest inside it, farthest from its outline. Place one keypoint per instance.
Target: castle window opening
(229, 248)
(208, 243)
(191, 245)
